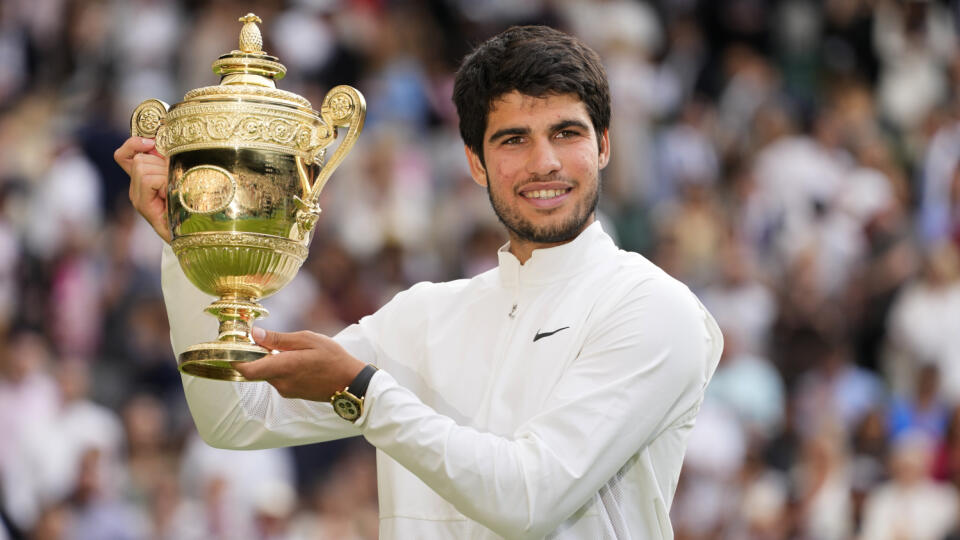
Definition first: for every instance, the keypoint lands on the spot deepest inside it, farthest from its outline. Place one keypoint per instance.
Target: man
(551, 396)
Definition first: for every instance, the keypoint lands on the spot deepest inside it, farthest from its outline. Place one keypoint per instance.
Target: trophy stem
(215, 359)
(236, 315)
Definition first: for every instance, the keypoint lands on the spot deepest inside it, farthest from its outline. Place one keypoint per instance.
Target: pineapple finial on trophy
(250, 39)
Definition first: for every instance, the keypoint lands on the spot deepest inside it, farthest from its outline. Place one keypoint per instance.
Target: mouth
(544, 194)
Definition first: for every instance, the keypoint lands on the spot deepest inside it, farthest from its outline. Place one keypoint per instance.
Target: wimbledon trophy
(247, 163)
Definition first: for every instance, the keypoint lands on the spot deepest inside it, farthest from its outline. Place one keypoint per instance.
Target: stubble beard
(565, 231)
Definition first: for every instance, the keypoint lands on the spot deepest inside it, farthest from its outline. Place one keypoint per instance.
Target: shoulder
(633, 278)
(641, 305)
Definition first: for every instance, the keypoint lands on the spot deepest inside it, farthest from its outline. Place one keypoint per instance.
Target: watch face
(347, 406)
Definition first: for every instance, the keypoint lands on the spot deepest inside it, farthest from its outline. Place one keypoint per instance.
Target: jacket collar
(555, 263)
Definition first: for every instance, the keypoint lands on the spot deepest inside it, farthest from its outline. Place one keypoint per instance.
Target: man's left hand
(308, 365)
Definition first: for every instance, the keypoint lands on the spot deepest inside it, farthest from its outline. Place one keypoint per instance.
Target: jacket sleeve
(642, 370)
(247, 415)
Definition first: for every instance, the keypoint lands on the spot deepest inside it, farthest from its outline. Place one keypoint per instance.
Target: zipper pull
(513, 312)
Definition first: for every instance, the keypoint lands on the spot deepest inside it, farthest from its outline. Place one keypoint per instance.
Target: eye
(516, 139)
(567, 133)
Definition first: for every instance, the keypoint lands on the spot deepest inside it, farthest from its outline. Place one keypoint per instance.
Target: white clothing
(45, 463)
(549, 398)
(922, 329)
(926, 511)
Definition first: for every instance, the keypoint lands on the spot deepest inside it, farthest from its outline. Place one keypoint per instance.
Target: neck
(523, 249)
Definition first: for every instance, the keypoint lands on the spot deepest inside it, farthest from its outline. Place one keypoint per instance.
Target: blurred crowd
(795, 162)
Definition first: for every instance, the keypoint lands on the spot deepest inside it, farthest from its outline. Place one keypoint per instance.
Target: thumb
(284, 341)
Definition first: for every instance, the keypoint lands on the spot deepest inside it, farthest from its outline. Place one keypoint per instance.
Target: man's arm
(246, 415)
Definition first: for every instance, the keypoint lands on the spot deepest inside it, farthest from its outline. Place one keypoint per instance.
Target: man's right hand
(148, 181)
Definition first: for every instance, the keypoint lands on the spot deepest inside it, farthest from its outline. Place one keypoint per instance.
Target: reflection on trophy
(247, 163)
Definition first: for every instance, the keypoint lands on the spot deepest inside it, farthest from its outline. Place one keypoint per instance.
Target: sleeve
(247, 415)
(642, 370)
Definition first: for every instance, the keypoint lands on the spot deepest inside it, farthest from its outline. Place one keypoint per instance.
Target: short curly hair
(533, 60)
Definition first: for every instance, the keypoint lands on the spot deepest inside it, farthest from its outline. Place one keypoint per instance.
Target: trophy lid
(248, 70)
(247, 111)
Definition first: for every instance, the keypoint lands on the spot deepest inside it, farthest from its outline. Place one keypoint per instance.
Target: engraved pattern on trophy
(206, 189)
(243, 125)
(247, 163)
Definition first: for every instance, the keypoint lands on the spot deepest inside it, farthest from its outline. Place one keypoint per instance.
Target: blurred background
(795, 162)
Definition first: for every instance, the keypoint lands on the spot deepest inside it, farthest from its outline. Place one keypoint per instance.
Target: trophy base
(215, 360)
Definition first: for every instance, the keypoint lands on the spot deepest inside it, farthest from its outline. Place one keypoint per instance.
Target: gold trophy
(247, 163)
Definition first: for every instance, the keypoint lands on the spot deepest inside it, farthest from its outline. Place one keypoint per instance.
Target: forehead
(517, 109)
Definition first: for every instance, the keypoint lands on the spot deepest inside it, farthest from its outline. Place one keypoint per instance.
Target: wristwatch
(348, 403)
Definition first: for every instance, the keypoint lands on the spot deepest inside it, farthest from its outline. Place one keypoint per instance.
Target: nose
(543, 158)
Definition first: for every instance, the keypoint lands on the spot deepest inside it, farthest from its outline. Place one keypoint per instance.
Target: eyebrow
(564, 124)
(512, 131)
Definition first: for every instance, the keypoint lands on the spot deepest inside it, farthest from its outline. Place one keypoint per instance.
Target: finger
(150, 159)
(285, 341)
(163, 229)
(152, 178)
(150, 171)
(271, 366)
(130, 148)
(162, 224)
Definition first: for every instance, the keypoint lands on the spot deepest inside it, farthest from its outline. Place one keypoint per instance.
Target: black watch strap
(359, 385)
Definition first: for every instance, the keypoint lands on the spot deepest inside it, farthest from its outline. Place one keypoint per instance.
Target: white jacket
(552, 398)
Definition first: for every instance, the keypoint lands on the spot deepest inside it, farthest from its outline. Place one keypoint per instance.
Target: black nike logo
(545, 334)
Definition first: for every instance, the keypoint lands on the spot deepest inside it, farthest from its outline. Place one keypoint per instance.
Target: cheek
(582, 163)
(503, 175)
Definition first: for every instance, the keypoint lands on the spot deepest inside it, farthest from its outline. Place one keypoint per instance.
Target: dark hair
(533, 60)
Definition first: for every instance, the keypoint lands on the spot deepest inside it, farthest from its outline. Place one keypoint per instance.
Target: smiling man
(549, 397)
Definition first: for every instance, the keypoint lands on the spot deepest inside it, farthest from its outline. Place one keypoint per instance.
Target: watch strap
(358, 387)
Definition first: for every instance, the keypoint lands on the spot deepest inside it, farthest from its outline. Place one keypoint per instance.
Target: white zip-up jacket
(549, 399)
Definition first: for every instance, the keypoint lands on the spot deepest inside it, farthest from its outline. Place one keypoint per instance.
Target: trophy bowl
(247, 164)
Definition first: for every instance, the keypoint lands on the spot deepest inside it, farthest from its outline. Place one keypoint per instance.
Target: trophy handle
(147, 120)
(343, 106)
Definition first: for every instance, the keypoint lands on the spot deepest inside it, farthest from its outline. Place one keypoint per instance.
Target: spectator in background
(235, 486)
(835, 394)
(28, 397)
(923, 322)
(823, 484)
(749, 386)
(740, 299)
(910, 505)
(922, 412)
(49, 458)
(914, 40)
(94, 510)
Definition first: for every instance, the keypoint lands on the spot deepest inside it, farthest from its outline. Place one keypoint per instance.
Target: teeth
(544, 193)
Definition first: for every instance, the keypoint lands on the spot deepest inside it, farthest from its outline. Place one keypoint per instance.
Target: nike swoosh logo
(545, 334)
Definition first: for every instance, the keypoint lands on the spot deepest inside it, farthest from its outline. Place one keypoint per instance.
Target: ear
(604, 148)
(477, 170)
